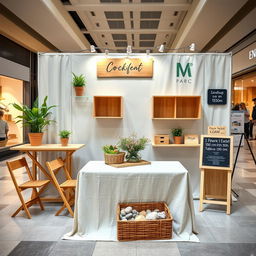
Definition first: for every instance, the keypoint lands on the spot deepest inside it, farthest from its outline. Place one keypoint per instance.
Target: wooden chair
(31, 183)
(65, 189)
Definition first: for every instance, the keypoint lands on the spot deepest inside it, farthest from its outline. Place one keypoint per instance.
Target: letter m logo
(182, 71)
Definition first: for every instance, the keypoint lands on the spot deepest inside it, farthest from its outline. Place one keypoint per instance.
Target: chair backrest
(17, 164)
(55, 165)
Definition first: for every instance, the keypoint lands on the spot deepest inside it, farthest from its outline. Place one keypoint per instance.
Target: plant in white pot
(79, 84)
(36, 118)
(64, 137)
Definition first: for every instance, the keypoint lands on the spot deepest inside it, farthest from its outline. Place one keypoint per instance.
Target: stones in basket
(112, 155)
(130, 214)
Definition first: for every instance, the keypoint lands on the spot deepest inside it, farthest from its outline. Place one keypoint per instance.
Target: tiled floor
(219, 234)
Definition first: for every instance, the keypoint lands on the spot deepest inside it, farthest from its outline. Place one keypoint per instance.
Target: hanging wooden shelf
(108, 107)
(176, 145)
(177, 107)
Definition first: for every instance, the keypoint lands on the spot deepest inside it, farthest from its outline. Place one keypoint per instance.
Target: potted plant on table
(132, 145)
(79, 84)
(177, 135)
(112, 155)
(37, 118)
(64, 137)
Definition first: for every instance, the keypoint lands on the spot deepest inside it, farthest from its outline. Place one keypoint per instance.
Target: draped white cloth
(101, 187)
(208, 71)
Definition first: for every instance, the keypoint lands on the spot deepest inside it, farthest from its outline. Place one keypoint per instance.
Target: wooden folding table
(32, 152)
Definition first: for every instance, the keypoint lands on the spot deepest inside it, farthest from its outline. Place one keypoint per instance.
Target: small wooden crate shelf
(176, 107)
(146, 229)
(162, 139)
(108, 107)
(176, 145)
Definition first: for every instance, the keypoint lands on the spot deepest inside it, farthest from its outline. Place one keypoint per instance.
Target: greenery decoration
(177, 132)
(78, 81)
(64, 134)
(110, 149)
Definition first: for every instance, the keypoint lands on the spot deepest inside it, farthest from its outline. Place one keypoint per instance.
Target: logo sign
(125, 67)
(216, 152)
(183, 73)
(217, 97)
(217, 130)
(252, 54)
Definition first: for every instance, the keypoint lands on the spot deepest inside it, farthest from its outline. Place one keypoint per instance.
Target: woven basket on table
(146, 229)
(114, 158)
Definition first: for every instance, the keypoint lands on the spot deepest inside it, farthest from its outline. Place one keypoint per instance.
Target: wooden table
(32, 152)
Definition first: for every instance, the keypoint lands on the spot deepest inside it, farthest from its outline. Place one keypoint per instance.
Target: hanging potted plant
(79, 84)
(112, 155)
(132, 145)
(37, 118)
(64, 137)
(177, 135)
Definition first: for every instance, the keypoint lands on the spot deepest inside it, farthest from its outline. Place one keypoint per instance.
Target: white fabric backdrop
(208, 71)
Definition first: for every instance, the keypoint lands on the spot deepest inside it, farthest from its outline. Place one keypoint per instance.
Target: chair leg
(17, 211)
(38, 199)
(60, 210)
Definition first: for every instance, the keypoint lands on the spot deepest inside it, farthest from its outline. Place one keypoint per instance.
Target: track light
(192, 47)
(129, 49)
(161, 48)
(93, 48)
(106, 52)
(147, 52)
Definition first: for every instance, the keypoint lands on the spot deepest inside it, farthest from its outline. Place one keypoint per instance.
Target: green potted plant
(132, 145)
(64, 137)
(177, 135)
(79, 84)
(37, 118)
(112, 155)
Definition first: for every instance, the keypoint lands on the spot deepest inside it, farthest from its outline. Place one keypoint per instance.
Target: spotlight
(147, 52)
(106, 52)
(192, 47)
(161, 48)
(129, 49)
(93, 48)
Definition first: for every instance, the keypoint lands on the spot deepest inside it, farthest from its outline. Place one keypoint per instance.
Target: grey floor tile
(32, 249)
(115, 249)
(157, 249)
(7, 246)
(74, 248)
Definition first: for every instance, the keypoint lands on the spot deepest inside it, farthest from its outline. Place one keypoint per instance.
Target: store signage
(217, 97)
(252, 54)
(125, 67)
(217, 130)
(237, 126)
(191, 139)
(216, 152)
(183, 73)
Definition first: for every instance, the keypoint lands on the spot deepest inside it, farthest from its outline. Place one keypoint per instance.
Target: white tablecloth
(101, 187)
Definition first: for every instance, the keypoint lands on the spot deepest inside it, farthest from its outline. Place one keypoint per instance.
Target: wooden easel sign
(216, 152)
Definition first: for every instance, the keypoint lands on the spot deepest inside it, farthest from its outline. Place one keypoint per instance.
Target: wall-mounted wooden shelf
(176, 145)
(177, 107)
(108, 107)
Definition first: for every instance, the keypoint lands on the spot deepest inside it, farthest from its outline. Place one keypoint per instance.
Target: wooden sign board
(217, 130)
(191, 139)
(125, 67)
(216, 152)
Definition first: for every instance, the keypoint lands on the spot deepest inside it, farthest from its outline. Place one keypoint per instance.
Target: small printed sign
(217, 130)
(217, 97)
(125, 67)
(216, 152)
(191, 139)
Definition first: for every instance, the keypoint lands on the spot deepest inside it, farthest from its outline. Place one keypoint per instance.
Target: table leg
(229, 192)
(201, 190)
(68, 161)
(34, 169)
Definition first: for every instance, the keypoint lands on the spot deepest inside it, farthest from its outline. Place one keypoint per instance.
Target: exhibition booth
(142, 101)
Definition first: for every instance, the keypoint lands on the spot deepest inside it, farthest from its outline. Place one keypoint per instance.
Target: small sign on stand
(216, 163)
(217, 97)
(217, 130)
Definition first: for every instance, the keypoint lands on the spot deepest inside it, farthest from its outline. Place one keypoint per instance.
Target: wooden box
(108, 107)
(162, 139)
(146, 229)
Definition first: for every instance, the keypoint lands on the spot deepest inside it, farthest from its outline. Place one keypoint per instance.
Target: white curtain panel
(207, 71)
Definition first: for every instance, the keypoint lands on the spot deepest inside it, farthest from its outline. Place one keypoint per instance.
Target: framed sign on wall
(125, 67)
(217, 97)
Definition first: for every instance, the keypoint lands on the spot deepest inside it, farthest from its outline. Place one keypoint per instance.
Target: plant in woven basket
(133, 145)
(110, 149)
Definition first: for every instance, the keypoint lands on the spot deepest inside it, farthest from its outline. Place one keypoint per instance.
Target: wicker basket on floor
(114, 158)
(131, 230)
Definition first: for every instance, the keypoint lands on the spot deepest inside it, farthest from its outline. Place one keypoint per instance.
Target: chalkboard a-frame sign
(216, 152)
